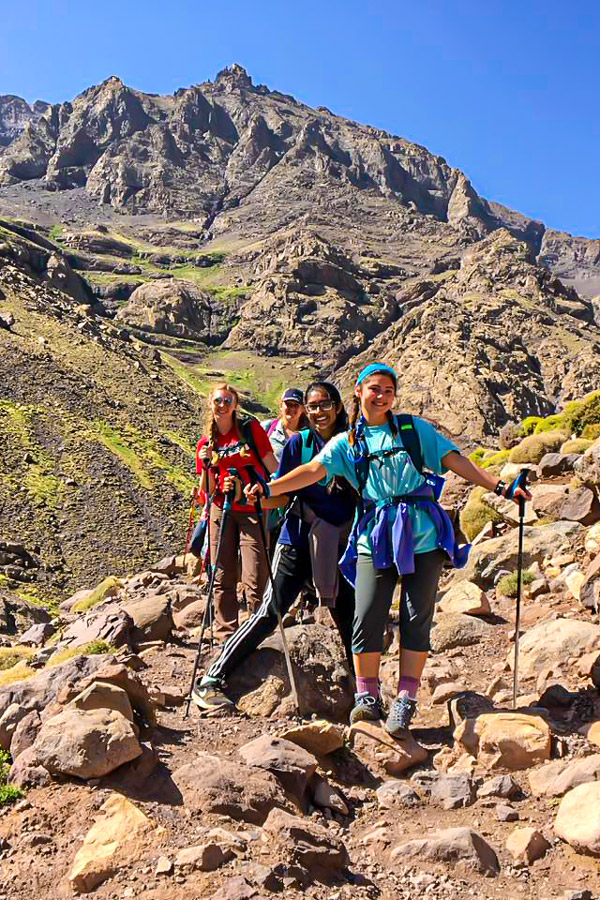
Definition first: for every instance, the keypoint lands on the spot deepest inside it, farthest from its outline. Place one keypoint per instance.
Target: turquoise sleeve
(434, 446)
(334, 456)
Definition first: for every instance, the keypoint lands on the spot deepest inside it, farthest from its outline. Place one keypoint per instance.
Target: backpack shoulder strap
(409, 436)
(309, 446)
(271, 426)
(245, 426)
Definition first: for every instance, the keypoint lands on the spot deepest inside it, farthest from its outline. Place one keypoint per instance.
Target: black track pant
(292, 570)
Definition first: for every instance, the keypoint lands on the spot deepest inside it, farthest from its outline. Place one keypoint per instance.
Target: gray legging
(374, 593)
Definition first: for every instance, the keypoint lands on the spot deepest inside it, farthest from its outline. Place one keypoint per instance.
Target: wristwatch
(500, 488)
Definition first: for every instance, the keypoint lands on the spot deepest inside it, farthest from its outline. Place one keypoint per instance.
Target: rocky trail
(112, 790)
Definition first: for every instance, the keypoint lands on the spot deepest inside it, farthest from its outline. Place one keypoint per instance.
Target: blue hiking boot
(367, 708)
(402, 712)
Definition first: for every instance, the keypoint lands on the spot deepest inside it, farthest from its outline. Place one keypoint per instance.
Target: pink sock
(367, 686)
(410, 685)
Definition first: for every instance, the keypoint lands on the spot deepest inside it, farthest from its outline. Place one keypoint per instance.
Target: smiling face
(322, 412)
(377, 395)
(290, 413)
(223, 404)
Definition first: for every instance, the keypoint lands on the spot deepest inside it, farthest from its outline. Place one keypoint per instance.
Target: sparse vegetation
(577, 445)
(94, 648)
(98, 594)
(476, 514)
(20, 672)
(11, 656)
(508, 584)
(532, 449)
(8, 792)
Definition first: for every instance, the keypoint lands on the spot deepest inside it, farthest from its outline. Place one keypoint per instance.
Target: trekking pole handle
(230, 495)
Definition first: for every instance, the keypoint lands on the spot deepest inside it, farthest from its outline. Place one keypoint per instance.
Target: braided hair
(356, 419)
(210, 425)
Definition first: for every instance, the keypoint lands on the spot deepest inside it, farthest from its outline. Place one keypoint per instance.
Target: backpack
(270, 426)
(244, 424)
(409, 442)
(310, 450)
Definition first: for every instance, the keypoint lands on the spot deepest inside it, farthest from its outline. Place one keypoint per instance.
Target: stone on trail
(26, 772)
(205, 857)
(506, 813)
(291, 764)
(318, 736)
(468, 705)
(453, 791)
(117, 837)
(107, 623)
(509, 510)
(578, 818)
(86, 743)
(325, 685)
(575, 505)
(559, 776)
(500, 786)
(379, 750)
(527, 844)
(506, 740)
(459, 846)
(397, 794)
(237, 888)
(445, 692)
(553, 464)
(458, 630)
(467, 598)
(25, 733)
(557, 639)
(226, 787)
(325, 796)
(152, 617)
(301, 842)
(121, 676)
(589, 589)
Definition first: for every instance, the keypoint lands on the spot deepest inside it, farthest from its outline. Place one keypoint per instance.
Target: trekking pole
(520, 482)
(190, 525)
(229, 496)
(255, 477)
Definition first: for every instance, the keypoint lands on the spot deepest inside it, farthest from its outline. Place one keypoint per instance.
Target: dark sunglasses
(222, 400)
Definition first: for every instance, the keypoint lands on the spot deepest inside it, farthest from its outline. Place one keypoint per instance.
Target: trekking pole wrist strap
(500, 488)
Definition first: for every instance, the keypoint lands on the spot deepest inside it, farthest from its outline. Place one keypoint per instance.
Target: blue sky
(507, 91)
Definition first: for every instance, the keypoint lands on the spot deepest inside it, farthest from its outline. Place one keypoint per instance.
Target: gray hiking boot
(209, 695)
(401, 715)
(366, 708)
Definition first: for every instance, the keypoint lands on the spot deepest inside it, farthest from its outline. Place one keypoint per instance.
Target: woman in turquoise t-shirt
(400, 532)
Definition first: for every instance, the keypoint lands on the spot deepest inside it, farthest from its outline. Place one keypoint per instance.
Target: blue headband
(372, 369)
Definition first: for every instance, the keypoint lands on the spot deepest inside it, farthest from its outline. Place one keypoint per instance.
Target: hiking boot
(401, 715)
(208, 694)
(366, 708)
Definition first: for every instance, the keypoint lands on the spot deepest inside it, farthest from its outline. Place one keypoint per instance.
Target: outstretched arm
(468, 470)
(294, 481)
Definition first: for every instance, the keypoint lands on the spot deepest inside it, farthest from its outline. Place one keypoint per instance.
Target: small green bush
(477, 455)
(556, 422)
(8, 792)
(577, 445)
(529, 425)
(591, 432)
(99, 594)
(533, 448)
(476, 514)
(94, 648)
(581, 413)
(500, 458)
(508, 583)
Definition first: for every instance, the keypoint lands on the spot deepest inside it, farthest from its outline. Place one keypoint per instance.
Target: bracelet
(500, 488)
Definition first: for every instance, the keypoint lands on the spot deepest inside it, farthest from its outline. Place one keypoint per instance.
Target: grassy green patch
(533, 448)
(55, 233)
(11, 656)
(508, 584)
(97, 595)
(113, 441)
(44, 488)
(8, 792)
(19, 672)
(197, 383)
(476, 514)
(188, 448)
(94, 648)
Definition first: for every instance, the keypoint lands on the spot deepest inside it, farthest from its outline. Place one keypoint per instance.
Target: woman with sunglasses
(292, 419)
(320, 515)
(223, 446)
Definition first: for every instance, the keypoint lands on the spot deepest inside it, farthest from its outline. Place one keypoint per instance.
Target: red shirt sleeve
(201, 443)
(261, 439)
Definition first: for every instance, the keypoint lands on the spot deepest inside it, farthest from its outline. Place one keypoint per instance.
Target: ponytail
(210, 426)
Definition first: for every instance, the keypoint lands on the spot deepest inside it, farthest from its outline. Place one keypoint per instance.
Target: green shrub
(581, 413)
(499, 458)
(8, 792)
(508, 583)
(477, 455)
(556, 422)
(10, 656)
(529, 425)
(99, 594)
(532, 449)
(591, 432)
(576, 445)
(476, 514)
(94, 648)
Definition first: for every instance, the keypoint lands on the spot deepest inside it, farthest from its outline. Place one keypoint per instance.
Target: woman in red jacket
(226, 444)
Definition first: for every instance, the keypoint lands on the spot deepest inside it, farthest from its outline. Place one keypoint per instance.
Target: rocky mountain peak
(234, 76)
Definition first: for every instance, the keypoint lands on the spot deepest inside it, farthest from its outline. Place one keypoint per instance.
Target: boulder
(575, 505)
(578, 818)
(214, 785)
(587, 466)
(303, 843)
(325, 796)
(525, 845)
(589, 589)
(592, 540)
(509, 510)
(325, 685)
(170, 307)
(191, 615)
(116, 838)
(291, 764)
(467, 705)
(539, 541)
(467, 598)
(591, 732)
(445, 692)
(557, 639)
(500, 786)
(560, 776)
(25, 733)
(553, 464)
(104, 695)
(505, 740)
(119, 675)
(397, 794)
(108, 623)
(457, 630)
(453, 791)
(205, 857)
(25, 771)
(86, 743)
(318, 736)
(459, 846)
(378, 750)
(37, 635)
(152, 617)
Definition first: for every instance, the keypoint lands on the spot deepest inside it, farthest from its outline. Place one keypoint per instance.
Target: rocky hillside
(110, 789)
